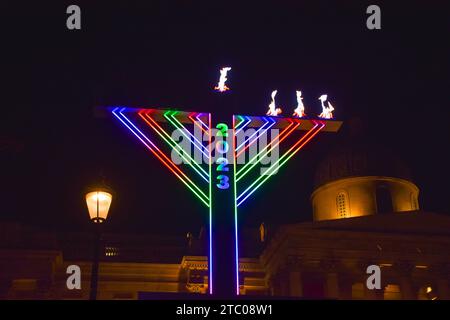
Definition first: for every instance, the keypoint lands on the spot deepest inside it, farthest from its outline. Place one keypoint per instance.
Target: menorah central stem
(224, 255)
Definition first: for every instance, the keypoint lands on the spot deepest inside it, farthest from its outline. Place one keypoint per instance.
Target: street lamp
(98, 201)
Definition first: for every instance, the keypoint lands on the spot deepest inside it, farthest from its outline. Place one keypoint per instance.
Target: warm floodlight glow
(98, 203)
(300, 110)
(221, 86)
(273, 110)
(327, 112)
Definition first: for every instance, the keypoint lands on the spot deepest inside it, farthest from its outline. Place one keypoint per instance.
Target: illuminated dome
(359, 178)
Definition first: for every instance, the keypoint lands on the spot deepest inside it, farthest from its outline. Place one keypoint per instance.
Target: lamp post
(98, 201)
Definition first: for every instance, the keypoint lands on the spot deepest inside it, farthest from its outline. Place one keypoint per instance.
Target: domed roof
(360, 159)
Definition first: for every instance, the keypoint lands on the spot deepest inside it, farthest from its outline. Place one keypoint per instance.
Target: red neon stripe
(162, 153)
(256, 139)
(309, 133)
(163, 162)
(279, 135)
(305, 135)
(195, 122)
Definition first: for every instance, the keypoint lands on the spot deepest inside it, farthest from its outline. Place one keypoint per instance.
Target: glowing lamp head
(98, 203)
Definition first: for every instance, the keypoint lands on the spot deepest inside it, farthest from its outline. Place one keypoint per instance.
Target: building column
(404, 270)
(294, 264)
(374, 294)
(275, 285)
(370, 294)
(269, 285)
(406, 288)
(332, 285)
(441, 273)
(295, 283)
(443, 290)
(330, 269)
(345, 286)
(284, 278)
(5, 285)
(280, 287)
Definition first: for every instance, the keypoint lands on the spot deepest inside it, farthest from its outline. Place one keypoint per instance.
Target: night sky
(152, 54)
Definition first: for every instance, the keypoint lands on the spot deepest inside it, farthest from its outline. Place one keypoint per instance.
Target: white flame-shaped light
(300, 110)
(327, 111)
(273, 110)
(221, 86)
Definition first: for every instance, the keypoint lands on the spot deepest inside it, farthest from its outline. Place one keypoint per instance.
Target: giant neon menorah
(226, 180)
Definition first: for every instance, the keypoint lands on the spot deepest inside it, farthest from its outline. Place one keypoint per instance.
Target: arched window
(384, 200)
(342, 204)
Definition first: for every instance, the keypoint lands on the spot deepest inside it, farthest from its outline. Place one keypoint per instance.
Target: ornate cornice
(194, 263)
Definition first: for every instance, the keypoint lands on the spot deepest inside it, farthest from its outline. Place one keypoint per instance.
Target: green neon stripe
(172, 143)
(154, 152)
(268, 175)
(240, 175)
(197, 194)
(200, 192)
(236, 249)
(180, 125)
(199, 145)
(242, 121)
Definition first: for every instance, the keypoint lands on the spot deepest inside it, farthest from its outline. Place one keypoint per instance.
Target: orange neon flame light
(327, 111)
(221, 86)
(273, 110)
(300, 110)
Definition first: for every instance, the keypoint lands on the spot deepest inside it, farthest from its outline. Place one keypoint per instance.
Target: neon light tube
(246, 124)
(210, 263)
(284, 134)
(256, 139)
(175, 146)
(255, 133)
(236, 247)
(241, 121)
(160, 155)
(196, 122)
(198, 118)
(179, 125)
(282, 161)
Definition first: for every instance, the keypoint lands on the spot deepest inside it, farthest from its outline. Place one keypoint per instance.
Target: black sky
(155, 54)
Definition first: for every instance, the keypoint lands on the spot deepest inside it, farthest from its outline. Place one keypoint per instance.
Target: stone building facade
(365, 212)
